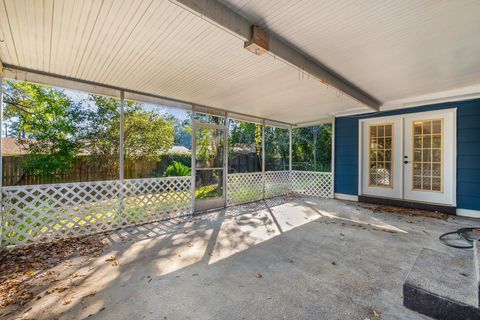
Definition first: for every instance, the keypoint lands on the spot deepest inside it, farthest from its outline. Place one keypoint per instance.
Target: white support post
(290, 148)
(121, 152)
(122, 137)
(1, 154)
(333, 158)
(225, 157)
(193, 159)
(290, 184)
(263, 159)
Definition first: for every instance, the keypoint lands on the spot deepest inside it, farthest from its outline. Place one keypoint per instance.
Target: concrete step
(443, 285)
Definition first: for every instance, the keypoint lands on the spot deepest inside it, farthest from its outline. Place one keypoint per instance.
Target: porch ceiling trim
(225, 18)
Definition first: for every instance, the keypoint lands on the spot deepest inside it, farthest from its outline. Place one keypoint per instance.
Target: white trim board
(468, 213)
(343, 196)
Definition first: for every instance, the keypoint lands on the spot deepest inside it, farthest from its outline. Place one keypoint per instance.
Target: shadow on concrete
(281, 258)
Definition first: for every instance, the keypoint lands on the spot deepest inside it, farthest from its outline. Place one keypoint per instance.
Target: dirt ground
(323, 259)
(29, 272)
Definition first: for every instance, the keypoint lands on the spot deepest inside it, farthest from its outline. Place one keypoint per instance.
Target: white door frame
(453, 111)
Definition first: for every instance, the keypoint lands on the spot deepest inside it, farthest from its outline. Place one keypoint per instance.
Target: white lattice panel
(147, 200)
(310, 183)
(277, 183)
(244, 187)
(43, 212)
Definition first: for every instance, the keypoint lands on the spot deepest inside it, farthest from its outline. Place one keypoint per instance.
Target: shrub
(177, 169)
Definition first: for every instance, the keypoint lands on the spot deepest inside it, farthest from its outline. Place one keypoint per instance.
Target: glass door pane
(209, 148)
(427, 155)
(209, 166)
(381, 155)
(208, 184)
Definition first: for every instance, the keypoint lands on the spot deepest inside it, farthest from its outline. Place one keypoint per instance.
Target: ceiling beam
(225, 18)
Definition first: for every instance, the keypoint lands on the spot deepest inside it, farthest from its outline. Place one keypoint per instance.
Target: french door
(410, 157)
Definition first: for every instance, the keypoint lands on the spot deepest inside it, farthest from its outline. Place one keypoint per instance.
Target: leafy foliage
(276, 148)
(244, 147)
(59, 131)
(312, 148)
(208, 192)
(46, 125)
(177, 169)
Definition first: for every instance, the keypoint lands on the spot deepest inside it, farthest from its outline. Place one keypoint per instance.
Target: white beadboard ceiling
(393, 50)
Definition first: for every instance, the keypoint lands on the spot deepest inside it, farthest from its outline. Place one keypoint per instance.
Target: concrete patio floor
(280, 259)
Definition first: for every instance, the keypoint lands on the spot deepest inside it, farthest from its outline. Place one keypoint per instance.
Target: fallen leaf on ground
(36, 261)
(258, 275)
(405, 211)
(376, 313)
(76, 275)
(91, 294)
(190, 245)
(113, 260)
(50, 291)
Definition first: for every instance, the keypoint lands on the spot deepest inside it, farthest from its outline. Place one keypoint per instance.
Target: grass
(207, 192)
(38, 220)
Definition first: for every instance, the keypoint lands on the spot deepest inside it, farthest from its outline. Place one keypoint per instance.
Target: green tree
(311, 148)
(59, 132)
(147, 134)
(277, 141)
(246, 136)
(46, 124)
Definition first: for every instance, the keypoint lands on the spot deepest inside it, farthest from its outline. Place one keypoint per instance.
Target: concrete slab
(450, 275)
(442, 285)
(300, 259)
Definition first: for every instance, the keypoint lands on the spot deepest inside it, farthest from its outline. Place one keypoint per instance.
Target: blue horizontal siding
(468, 150)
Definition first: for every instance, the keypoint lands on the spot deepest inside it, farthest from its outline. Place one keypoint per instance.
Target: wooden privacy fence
(14, 173)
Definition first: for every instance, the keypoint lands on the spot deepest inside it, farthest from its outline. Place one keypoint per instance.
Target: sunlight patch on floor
(359, 218)
(241, 233)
